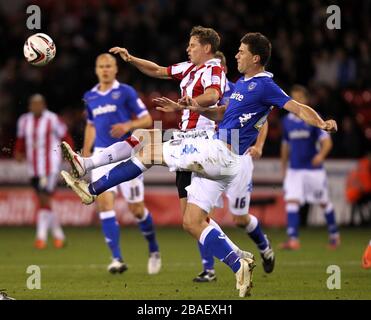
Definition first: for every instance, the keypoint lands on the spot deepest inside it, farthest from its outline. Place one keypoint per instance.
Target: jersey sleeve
(273, 95)
(21, 124)
(179, 71)
(321, 134)
(135, 104)
(214, 77)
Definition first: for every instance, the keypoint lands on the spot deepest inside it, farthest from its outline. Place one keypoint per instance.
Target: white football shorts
(306, 186)
(132, 190)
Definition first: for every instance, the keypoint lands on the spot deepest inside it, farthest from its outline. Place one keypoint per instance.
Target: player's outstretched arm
(147, 67)
(168, 105)
(310, 116)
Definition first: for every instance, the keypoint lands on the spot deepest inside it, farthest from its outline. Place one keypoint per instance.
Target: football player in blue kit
(305, 177)
(114, 110)
(239, 201)
(218, 162)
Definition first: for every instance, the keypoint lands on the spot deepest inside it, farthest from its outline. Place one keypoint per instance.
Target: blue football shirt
(249, 105)
(303, 141)
(104, 109)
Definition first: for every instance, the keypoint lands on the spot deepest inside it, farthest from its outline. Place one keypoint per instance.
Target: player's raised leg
(116, 152)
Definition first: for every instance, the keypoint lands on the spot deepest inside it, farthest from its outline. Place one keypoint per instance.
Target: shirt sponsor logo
(299, 134)
(108, 108)
(236, 96)
(246, 117)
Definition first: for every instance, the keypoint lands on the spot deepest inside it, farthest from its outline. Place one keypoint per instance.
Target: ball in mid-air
(39, 49)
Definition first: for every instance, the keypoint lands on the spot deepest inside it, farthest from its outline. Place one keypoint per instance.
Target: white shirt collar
(260, 74)
(115, 85)
(212, 61)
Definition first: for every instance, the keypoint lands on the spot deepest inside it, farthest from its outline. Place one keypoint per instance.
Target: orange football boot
(59, 243)
(40, 244)
(290, 244)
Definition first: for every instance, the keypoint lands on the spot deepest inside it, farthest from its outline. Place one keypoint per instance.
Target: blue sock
(293, 220)
(331, 222)
(148, 231)
(216, 244)
(207, 258)
(256, 234)
(111, 231)
(124, 171)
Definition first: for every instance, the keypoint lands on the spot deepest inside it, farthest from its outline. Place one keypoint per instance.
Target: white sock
(118, 151)
(230, 242)
(42, 225)
(55, 227)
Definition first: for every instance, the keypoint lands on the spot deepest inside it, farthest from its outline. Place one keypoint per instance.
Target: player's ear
(256, 58)
(207, 48)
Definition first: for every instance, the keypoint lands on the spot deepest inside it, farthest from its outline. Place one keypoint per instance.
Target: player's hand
(119, 129)
(254, 152)
(191, 104)
(317, 160)
(330, 126)
(123, 52)
(167, 105)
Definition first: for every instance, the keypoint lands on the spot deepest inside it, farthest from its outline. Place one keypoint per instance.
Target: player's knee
(137, 209)
(241, 221)
(105, 203)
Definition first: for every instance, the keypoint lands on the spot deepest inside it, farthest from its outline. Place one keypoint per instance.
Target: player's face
(37, 106)
(299, 97)
(196, 51)
(106, 69)
(245, 59)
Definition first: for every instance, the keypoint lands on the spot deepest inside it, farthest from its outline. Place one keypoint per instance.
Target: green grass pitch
(79, 270)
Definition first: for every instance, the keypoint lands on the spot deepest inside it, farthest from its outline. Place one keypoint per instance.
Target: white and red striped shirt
(193, 82)
(41, 138)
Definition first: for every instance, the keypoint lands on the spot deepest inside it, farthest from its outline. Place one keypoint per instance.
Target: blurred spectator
(358, 190)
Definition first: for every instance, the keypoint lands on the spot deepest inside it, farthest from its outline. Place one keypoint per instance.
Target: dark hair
(258, 45)
(300, 88)
(206, 36)
(220, 55)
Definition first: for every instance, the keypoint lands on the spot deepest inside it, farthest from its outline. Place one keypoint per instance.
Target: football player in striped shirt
(39, 135)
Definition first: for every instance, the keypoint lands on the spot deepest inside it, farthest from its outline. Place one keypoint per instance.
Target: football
(39, 49)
